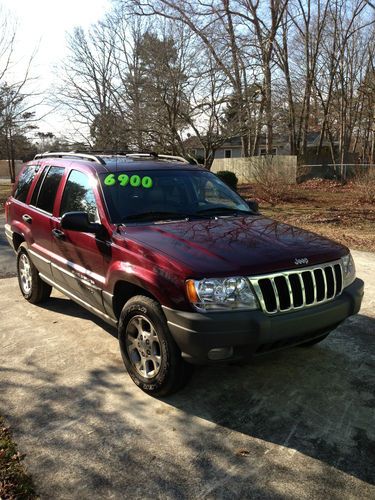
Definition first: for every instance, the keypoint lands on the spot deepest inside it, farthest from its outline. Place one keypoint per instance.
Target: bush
(229, 178)
(275, 183)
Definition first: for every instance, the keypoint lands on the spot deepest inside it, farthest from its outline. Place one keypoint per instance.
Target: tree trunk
(268, 107)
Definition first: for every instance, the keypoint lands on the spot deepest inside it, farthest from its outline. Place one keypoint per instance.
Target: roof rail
(156, 156)
(172, 157)
(98, 158)
(142, 155)
(70, 154)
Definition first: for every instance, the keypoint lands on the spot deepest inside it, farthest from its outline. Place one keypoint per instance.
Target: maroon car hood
(235, 245)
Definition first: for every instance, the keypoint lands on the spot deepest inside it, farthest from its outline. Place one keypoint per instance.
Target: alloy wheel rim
(143, 346)
(25, 273)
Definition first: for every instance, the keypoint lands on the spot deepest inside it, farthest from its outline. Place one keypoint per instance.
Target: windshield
(150, 195)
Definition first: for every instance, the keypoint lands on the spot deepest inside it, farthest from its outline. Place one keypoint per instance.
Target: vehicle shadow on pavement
(68, 307)
(319, 401)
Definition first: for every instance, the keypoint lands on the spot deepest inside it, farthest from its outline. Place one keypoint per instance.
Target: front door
(79, 257)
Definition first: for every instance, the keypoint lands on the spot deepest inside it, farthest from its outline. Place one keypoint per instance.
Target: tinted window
(78, 196)
(47, 194)
(24, 182)
(34, 196)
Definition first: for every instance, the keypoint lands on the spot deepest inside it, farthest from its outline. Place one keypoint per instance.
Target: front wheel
(148, 350)
(33, 288)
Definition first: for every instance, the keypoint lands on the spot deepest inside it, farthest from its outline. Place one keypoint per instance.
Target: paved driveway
(294, 424)
(7, 260)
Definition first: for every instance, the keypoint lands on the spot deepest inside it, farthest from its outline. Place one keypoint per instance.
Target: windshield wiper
(224, 211)
(160, 216)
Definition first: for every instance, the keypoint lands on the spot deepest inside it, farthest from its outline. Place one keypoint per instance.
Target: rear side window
(24, 182)
(34, 196)
(79, 196)
(47, 193)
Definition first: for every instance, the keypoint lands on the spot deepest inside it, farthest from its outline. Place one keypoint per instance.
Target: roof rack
(98, 158)
(142, 155)
(172, 157)
(156, 156)
(70, 154)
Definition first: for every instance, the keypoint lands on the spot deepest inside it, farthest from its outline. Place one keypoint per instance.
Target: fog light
(220, 353)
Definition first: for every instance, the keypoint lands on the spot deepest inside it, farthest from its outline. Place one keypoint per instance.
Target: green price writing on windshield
(125, 179)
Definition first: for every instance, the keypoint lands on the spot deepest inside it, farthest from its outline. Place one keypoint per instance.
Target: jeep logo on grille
(299, 262)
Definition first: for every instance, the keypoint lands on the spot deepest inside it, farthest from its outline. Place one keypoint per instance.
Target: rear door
(16, 208)
(39, 218)
(80, 265)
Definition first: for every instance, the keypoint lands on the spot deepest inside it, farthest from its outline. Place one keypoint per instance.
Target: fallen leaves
(325, 207)
(243, 453)
(15, 483)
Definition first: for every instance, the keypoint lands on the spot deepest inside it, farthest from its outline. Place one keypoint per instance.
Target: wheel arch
(18, 239)
(123, 291)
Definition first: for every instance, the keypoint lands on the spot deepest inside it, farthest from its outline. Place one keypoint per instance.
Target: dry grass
(15, 482)
(325, 207)
(5, 190)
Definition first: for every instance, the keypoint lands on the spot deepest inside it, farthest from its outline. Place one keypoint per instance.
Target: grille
(291, 290)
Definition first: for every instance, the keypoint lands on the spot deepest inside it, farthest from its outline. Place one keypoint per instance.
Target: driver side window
(211, 193)
(79, 196)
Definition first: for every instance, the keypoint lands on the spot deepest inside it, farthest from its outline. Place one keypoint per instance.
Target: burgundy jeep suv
(186, 269)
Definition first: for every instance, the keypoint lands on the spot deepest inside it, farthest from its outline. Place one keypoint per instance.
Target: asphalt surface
(7, 260)
(294, 424)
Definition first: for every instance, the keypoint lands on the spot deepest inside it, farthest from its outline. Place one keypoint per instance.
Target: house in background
(232, 147)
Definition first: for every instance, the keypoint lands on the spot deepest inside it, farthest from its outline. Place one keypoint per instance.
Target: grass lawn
(324, 207)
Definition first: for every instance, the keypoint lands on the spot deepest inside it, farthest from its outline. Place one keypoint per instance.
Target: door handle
(27, 218)
(60, 235)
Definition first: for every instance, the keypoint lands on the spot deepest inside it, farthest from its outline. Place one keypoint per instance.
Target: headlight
(348, 269)
(221, 293)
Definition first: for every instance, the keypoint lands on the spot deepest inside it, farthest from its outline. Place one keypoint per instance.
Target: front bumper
(246, 333)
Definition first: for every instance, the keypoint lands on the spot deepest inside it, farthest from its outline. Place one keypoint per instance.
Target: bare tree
(215, 26)
(85, 91)
(154, 70)
(18, 100)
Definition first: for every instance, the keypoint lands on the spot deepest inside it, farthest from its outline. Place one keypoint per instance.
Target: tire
(151, 356)
(32, 287)
(310, 343)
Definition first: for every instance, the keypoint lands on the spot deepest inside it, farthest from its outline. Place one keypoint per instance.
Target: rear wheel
(32, 287)
(149, 352)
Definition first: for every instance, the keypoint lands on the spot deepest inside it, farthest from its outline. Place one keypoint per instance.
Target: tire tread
(178, 372)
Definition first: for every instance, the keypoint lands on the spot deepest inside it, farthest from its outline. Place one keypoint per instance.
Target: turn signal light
(191, 292)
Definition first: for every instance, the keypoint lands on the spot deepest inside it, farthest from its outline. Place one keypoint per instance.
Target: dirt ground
(324, 207)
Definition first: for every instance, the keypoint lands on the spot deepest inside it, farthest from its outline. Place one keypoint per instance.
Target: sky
(42, 26)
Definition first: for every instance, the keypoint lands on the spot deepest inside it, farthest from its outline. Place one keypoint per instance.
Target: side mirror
(79, 221)
(253, 205)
